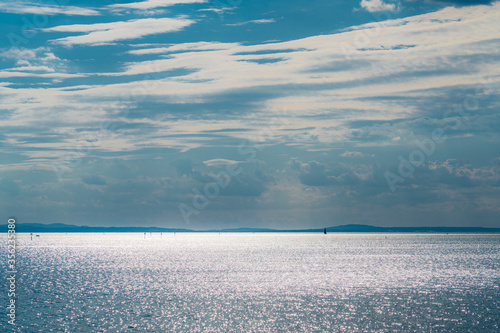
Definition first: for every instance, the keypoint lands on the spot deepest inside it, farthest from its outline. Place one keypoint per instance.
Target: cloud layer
(278, 116)
(105, 33)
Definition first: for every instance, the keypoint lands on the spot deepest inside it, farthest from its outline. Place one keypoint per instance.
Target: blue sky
(282, 114)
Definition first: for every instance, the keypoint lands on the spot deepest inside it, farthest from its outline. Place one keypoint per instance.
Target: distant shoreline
(350, 228)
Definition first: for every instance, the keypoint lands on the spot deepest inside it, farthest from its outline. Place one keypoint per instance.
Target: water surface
(262, 282)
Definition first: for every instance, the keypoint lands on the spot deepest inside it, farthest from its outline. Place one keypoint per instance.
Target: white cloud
(24, 56)
(34, 8)
(456, 168)
(149, 4)
(199, 46)
(220, 162)
(32, 69)
(349, 91)
(106, 33)
(341, 90)
(307, 61)
(377, 6)
(352, 154)
(39, 62)
(216, 10)
(262, 21)
(10, 74)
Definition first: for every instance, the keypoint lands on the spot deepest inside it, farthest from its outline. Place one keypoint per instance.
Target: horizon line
(63, 227)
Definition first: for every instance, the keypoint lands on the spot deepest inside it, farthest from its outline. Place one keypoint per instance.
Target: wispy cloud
(198, 46)
(261, 21)
(460, 3)
(150, 4)
(220, 162)
(328, 89)
(216, 10)
(106, 33)
(35, 8)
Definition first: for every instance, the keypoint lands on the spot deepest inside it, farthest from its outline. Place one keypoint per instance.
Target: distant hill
(60, 227)
(369, 228)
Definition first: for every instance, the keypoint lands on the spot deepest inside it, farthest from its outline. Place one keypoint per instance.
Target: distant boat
(324, 231)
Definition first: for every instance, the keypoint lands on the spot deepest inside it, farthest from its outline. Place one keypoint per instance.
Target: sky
(281, 114)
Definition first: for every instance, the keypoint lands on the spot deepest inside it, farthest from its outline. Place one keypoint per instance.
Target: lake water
(262, 282)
